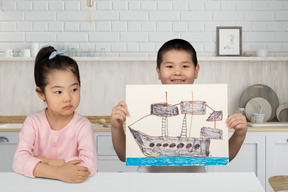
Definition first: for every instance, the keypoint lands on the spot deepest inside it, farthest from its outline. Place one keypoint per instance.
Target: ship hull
(157, 146)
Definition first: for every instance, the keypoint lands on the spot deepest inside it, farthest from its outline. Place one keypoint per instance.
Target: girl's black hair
(176, 44)
(44, 65)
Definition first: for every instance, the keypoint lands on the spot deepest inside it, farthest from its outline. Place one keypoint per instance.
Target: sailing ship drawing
(156, 146)
(183, 131)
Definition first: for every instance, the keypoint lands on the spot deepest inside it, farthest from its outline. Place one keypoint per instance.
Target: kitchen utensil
(257, 118)
(255, 104)
(260, 90)
(241, 111)
(35, 46)
(8, 53)
(102, 52)
(25, 53)
(72, 52)
(34, 52)
(15, 53)
(91, 52)
(282, 112)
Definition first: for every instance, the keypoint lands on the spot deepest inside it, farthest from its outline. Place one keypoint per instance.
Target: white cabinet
(251, 157)
(107, 158)
(276, 155)
(8, 143)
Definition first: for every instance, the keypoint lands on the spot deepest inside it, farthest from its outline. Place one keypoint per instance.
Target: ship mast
(165, 120)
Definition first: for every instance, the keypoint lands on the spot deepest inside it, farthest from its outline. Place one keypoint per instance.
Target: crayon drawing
(176, 125)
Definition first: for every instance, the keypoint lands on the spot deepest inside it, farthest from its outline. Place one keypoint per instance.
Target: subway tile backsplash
(121, 24)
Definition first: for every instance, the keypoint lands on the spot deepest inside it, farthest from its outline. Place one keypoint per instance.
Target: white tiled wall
(139, 28)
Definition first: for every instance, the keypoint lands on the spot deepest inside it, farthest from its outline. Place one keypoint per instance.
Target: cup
(25, 53)
(72, 52)
(35, 46)
(34, 52)
(16, 53)
(78, 52)
(261, 53)
(102, 52)
(8, 53)
(60, 47)
(257, 117)
(241, 111)
(91, 52)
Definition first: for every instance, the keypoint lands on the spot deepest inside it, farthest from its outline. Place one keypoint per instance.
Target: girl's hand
(118, 116)
(238, 123)
(52, 162)
(73, 173)
(43, 159)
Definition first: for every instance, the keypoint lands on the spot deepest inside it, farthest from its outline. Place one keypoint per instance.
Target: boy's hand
(118, 116)
(72, 173)
(238, 123)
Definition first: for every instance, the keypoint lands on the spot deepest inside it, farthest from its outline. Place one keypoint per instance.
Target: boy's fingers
(124, 107)
(120, 109)
(122, 103)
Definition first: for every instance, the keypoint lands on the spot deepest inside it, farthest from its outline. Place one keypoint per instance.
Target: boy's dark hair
(44, 65)
(176, 44)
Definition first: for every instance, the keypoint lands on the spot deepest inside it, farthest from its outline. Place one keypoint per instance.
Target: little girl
(56, 142)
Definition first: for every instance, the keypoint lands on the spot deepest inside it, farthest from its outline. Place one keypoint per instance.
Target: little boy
(176, 64)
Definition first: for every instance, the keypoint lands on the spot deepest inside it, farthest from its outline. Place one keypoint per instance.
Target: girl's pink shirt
(74, 142)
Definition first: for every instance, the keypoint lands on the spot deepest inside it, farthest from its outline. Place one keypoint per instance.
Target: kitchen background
(131, 32)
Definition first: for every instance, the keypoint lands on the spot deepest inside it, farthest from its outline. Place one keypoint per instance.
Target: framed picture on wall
(229, 41)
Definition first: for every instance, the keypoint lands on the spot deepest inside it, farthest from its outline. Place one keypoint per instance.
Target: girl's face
(62, 93)
(177, 67)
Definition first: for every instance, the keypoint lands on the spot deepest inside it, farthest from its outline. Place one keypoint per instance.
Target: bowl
(282, 112)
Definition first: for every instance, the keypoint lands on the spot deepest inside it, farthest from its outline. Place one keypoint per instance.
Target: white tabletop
(137, 182)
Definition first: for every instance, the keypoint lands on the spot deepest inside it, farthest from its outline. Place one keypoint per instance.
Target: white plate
(254, 106)
(260, 90)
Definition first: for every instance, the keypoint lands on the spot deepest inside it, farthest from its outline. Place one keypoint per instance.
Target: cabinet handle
(4, 139)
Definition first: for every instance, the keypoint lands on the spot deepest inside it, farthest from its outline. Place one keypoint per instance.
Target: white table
(118, 182)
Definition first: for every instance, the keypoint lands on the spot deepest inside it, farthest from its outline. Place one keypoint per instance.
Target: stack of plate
(259, 96)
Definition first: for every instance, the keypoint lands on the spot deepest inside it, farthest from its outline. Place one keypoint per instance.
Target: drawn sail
(193, 107)
(164, 110)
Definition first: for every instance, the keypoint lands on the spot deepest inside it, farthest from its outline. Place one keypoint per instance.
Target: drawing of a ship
(182, 145)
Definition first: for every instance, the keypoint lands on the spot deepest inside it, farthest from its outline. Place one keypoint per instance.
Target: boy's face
(177, 67)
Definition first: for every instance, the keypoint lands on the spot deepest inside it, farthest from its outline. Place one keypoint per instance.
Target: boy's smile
(177, 67)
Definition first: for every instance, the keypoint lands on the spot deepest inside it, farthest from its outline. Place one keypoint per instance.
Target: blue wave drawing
(166, 161)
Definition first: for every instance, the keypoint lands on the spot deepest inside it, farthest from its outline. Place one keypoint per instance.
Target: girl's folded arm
(24, 162)
(87, 149)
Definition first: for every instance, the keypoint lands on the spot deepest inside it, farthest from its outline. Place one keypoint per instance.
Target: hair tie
(54, 53)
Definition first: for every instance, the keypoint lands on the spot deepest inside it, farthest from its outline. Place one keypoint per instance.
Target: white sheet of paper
(140, 98)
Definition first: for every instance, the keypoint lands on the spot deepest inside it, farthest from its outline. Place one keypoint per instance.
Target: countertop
(140, 182)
